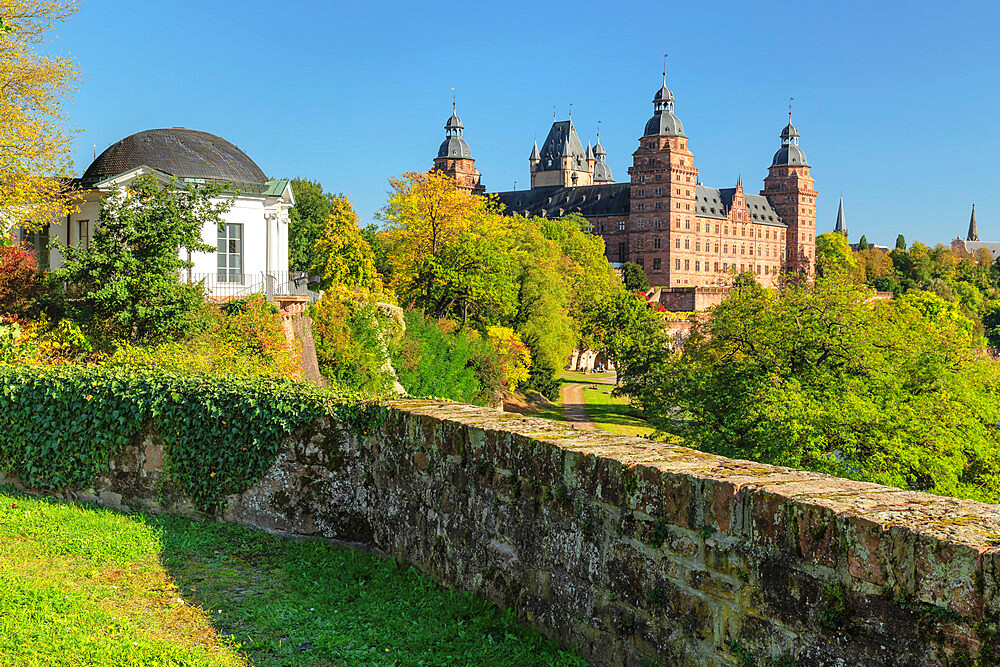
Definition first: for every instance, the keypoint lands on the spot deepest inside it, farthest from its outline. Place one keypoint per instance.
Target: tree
(34, 145)
(341, 255)
(900, 242)
(863, 243)
(634, 277)
(991, 323)
(833, 254)
(306, 221)
(822, 377)
(425, 214)
(126, 284)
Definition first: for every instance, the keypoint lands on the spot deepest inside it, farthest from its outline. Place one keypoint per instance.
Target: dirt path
(574, 408)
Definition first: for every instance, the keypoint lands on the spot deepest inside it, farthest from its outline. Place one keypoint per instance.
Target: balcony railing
(233, 286)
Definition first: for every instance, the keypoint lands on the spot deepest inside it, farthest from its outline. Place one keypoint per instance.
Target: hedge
(60, 426)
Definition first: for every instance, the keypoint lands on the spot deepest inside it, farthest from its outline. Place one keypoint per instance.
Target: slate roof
(555, 202)
(562, 141)
(614, 199)
(761, 211)
(179, 152)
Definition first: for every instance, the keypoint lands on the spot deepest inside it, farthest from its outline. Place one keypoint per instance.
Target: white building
(251, 249)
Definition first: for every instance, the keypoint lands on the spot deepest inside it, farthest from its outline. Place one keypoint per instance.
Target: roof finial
(453, 101)
(664, 69)
(790, 108)
(598, 131)
(571, 110)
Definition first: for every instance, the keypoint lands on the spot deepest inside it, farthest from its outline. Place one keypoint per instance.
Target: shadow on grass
(86, 585)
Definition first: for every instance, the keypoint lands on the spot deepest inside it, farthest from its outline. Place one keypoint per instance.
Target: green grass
(614, 413)
(82, 585)
(577, 376)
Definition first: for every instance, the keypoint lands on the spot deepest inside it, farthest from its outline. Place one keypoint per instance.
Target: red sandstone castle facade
(682, 233)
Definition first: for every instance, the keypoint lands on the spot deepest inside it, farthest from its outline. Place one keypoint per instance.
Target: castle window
(677, 243)
(687, 206)
(743, 251)
(641, 192)
(657, 178)
(677, 264)
(641, 244)
(725, 230)
(687, 224)
(656, 223)
(656, 243)
(621, 225)
(642, 178)
(725, 249)
(716, 247)
(640, 262)
(687, 244)
(640, 224)
(698, 226)
(658, 191)
(687, 264)
(678, 204)
(716, 267)
(697, 266)
(678, 224)
(656, 264)
(603, 227)
(677, 191)
(697, 246)
(657, 205)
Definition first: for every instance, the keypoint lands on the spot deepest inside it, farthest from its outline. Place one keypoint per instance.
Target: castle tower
(973, 234)
(841, 226)
(602, 172)
(455, 159)
(790, 189)
(663, 178)
(562, 162)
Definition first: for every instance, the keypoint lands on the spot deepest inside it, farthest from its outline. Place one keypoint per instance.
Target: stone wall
(688, 299)
(634, 552)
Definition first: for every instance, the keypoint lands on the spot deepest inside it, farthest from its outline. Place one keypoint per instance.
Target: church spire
(973, 231)
(841, 227)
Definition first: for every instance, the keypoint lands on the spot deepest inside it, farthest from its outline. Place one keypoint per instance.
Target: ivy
(60, 426)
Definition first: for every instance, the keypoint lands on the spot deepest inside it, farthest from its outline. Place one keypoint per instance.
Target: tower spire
(841, 226)
(664, 69)
(973, 234)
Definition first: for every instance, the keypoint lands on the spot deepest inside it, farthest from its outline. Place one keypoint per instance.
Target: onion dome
(664, 123)
(454, 145)
(789, 155)
(180, 152)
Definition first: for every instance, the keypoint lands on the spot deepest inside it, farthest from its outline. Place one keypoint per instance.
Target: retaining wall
(633, 552)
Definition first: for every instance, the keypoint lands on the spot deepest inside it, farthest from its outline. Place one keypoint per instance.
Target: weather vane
(664, 69)
(570, 109)
(453, 100)
(790, 108)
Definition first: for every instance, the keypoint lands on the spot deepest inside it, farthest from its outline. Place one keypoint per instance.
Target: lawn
(614, 413)
(82, 585)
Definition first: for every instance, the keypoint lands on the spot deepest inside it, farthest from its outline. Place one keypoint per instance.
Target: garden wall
(633, 552)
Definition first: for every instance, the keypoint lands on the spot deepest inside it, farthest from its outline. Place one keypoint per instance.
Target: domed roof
(602, 173)
(790, 132)
(665, 124)
(454, 123)
(664, 94)
(179, 152)
(454, 147)
(789, 155)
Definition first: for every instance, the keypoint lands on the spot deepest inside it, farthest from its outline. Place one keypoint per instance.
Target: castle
(682, 233)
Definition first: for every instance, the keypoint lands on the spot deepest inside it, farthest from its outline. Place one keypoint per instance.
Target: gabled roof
(715, 203)
(555, 202)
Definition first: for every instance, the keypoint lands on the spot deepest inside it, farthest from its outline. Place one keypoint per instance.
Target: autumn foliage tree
(341, 256)
(34, 144)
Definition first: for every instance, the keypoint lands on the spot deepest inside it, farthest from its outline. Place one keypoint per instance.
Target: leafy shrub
(437, 358)
(59, 426)
(350, 345)
(243, 337)
(543, 377)
(19, 283)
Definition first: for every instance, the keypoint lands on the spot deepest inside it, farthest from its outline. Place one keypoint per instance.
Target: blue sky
(896, 101)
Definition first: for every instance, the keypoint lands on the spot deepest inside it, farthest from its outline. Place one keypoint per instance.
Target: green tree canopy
(863, 243)
(822, 377)
(306, 221)
(634, 277)
(833, 254)
(900, 242)
(126, 283)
